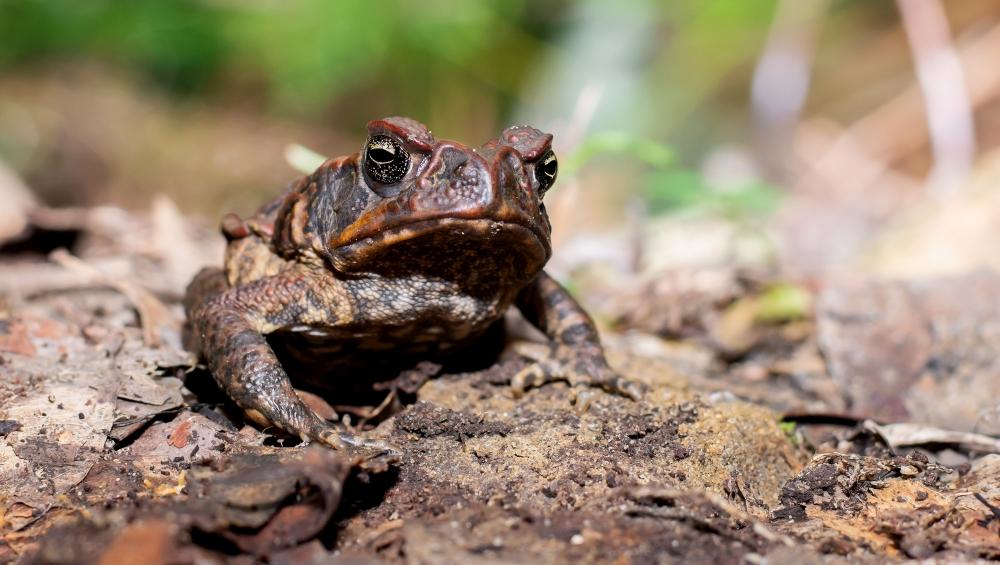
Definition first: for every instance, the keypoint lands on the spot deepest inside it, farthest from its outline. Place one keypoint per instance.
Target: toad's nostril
(447, 159)
(454, 159)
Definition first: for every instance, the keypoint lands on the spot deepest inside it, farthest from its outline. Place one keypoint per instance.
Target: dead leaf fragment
(908, 435)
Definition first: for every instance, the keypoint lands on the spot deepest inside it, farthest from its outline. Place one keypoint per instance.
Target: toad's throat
(485, 236)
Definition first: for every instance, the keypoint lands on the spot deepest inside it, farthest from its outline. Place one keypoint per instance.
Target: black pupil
(381, 156)
(551, 166)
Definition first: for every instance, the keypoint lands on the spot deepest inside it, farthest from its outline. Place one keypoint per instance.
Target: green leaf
(675, 189)
(791, 431)
(784, 302)
(303, 159)
(682, 189)
(646, 151)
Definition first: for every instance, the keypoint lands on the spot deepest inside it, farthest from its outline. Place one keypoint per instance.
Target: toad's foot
(369, 455)
(583, 372)
(298, 420)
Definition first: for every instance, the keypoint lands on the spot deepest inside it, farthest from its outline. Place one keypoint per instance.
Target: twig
(942, 83)
(993, 508)
(35, 519)
(888, 132)
(782, 75)
(389, 398)
(152, 312)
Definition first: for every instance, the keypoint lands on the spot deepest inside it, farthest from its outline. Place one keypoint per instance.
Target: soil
(758, 440)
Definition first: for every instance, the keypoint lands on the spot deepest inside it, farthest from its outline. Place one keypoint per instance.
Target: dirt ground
(858, 426)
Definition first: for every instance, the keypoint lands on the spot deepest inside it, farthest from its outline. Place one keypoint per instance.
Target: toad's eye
(385, 160)
(546, 170)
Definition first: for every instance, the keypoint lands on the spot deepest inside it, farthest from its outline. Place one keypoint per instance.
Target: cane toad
(412, 246)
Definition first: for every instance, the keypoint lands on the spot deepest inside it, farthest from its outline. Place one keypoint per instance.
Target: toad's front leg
(229, 325)
(574, 353)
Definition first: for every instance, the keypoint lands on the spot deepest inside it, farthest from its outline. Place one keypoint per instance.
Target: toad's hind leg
(207, 284)
(227, 325)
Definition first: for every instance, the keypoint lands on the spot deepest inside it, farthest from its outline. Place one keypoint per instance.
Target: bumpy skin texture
(342, 269)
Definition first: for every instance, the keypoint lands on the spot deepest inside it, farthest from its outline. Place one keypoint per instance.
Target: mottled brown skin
(341, 267)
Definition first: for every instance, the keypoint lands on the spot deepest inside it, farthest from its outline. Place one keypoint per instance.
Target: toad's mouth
(438, 236)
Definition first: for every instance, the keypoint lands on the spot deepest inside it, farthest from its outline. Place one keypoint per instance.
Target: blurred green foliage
(179, 43)
(669, 186)
(680, 188)
(620, 143)
(302, 53)
(463, 67)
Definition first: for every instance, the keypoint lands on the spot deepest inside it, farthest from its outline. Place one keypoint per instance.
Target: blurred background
(803, 136)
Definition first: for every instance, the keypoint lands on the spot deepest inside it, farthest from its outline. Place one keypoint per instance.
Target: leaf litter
(115, 445)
